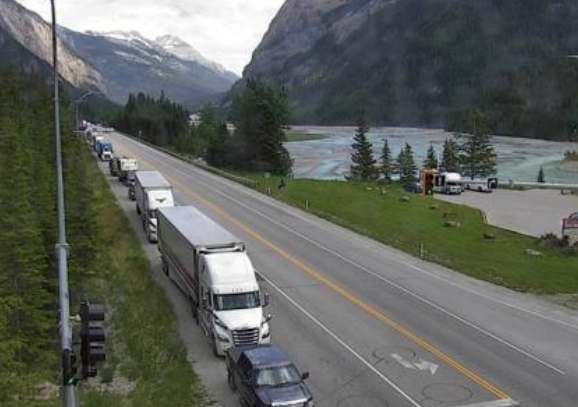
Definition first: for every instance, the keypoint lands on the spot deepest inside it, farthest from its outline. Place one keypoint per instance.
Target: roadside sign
(570, 228)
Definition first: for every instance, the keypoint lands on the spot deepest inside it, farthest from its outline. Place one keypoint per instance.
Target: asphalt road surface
(373, 326)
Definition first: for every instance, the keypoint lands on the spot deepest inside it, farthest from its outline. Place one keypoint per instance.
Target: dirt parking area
(533, 212)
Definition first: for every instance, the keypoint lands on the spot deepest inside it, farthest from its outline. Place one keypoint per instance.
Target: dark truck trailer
(264, 376)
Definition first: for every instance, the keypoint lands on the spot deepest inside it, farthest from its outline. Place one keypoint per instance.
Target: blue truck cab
(264, 376)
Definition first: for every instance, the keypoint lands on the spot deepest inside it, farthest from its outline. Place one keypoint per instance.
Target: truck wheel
(195, 313)
(214, 346)
(231, 381)
(165, 266)
(137, 209)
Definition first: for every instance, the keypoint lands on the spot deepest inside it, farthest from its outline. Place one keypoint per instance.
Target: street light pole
(68, 393)
(80, 100)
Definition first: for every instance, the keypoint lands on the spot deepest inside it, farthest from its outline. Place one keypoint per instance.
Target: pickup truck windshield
(277, 376)
(237, 301)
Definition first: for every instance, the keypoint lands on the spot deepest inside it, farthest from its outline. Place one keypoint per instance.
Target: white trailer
(479, 185)
(152, 191)
(126, 165)
(449, 183)
(212, 268)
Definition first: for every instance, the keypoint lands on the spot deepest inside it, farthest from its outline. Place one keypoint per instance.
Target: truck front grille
(246, 336)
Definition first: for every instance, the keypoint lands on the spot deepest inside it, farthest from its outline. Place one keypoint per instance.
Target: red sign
(571, 222)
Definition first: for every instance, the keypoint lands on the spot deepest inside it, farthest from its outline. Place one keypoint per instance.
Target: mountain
(129, 63)
(26, 41)
(185, 51)
(416, 62)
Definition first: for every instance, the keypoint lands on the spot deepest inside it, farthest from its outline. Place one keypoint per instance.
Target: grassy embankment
(404, 225)
(147, 364)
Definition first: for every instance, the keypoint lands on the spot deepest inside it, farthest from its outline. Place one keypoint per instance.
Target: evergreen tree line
(260, 115)
(471, 154)
(158, 121)
(29, 338)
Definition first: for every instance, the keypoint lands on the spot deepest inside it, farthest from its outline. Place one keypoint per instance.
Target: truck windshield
(224, 302)
(277, 376)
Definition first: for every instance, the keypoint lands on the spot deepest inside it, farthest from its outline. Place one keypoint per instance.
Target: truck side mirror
(305, 376)
(265, 299)
(268, 318)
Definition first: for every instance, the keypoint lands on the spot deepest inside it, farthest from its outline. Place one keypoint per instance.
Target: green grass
(143, 342)
(405, 225)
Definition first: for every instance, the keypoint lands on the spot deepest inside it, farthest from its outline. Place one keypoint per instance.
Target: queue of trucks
(212, 268)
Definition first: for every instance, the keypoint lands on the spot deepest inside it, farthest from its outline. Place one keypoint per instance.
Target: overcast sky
(226, 31)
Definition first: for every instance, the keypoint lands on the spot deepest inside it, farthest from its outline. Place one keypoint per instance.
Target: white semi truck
(152, 191)
(212, 268)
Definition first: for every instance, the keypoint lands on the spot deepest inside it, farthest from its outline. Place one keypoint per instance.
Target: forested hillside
(414, 62)
(28, 285)
(106, 263)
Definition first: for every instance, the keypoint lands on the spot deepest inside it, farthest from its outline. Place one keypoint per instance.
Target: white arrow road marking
(402, 361)
(425, 365)
(421, 364)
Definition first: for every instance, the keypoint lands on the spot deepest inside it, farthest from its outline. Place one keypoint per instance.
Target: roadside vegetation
(146, 360)
(452, 235)
(260, 115)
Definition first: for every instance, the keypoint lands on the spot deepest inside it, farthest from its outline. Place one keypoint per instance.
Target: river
(518, 159)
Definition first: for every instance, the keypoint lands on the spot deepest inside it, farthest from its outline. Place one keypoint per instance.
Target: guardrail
(511, 184)
(189, 159)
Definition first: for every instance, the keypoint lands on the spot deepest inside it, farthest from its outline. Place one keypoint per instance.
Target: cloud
(226, 31)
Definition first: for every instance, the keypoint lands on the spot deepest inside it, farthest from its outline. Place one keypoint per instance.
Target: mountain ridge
(414, 62)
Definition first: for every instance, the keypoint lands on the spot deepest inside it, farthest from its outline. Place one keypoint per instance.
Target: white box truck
(212, 268)
(152, 191)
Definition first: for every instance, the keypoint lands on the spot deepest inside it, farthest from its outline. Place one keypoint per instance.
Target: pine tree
(431, 161)
(261, 118)
(406, 165)
(387, 165)
(541, 178)
(478, 157)
(451, 156)
(363, 167)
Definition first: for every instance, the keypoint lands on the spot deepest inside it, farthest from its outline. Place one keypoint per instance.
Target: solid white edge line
(495, 403)
(340, 341)
(382, 278)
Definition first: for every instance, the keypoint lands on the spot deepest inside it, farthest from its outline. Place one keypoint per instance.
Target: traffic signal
(92, 337)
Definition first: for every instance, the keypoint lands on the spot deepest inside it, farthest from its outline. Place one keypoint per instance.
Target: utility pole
(67, 354)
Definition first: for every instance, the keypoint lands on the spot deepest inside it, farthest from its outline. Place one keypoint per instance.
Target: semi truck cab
(232, 307)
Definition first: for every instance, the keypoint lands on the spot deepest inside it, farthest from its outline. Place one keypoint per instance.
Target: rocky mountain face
(129, 62)
(26, 39)
(415, 62)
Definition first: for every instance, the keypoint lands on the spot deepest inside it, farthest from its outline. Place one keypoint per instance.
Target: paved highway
(374, 326)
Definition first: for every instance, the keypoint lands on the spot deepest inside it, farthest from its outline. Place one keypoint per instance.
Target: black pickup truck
(264, 377)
